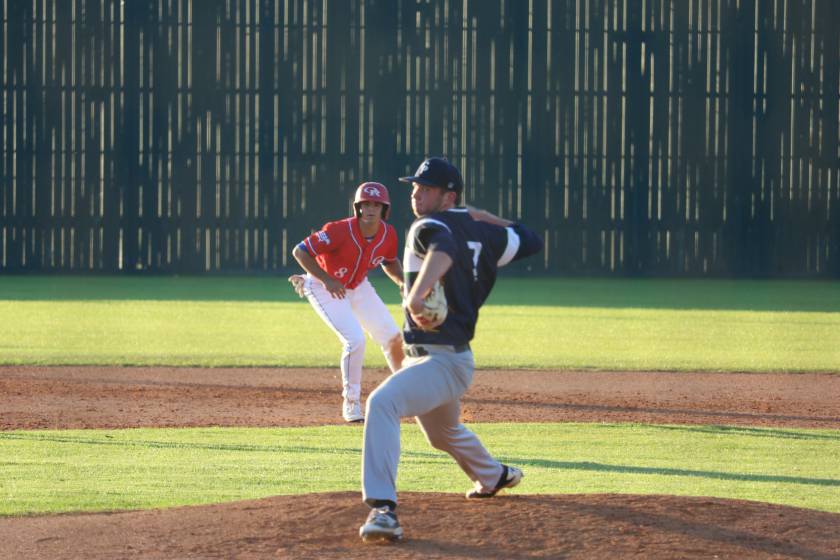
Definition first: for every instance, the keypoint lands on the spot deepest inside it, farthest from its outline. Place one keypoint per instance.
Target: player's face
(426, 200)
(370, 212)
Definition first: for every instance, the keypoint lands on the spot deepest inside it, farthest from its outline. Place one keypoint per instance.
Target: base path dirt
(99, 397)
(437, 525)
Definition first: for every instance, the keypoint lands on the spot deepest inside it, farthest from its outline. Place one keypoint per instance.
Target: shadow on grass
(432, 456)
(665, 471)
(754, 432)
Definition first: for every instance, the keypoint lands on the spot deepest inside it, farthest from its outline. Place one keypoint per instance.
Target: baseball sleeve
(322, 241)
(515, 242)
(428, 234)
(529, 242)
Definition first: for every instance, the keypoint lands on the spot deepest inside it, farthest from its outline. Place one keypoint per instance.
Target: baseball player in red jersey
(337, 259)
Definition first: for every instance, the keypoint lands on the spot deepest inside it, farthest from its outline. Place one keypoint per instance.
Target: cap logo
(451, 185)
(372, 191)
(423, 168)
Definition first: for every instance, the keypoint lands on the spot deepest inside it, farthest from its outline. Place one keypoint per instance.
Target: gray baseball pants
(429, 388)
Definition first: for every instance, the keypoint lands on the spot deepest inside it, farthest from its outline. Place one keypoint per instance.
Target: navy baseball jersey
(477, 250)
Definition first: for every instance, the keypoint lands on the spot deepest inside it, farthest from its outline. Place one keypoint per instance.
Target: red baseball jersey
(342, 250)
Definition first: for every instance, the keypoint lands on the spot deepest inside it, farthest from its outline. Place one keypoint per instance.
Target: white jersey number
(475, 246)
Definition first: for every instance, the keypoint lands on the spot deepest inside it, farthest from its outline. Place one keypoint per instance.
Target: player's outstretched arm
(529, 242)
(480, 215)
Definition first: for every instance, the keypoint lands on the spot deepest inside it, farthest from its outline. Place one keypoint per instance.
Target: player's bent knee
(374, 404)
(380, 402)
(438, 441)
(355, 344)
(393, 345)
(393, 352)
(394, 342)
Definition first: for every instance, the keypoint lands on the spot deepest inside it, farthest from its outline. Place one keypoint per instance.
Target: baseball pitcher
(457, 251)
(337, 260)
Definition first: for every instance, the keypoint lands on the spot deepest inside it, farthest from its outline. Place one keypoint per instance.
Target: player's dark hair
(458, 196)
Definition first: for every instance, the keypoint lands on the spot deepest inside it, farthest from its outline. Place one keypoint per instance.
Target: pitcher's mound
(437, 526)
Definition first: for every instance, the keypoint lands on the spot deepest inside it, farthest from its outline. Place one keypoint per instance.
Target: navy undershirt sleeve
(529, 242)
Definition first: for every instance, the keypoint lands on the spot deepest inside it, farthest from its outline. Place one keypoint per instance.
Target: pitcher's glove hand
(434, 310)
(297, 283)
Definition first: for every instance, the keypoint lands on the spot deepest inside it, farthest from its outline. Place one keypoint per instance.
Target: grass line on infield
(528, 323)
(88, 470)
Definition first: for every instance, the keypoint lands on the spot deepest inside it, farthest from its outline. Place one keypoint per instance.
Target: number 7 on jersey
(475, 247)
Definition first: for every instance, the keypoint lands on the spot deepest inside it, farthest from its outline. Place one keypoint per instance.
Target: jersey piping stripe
(359, 247)
(419, 223)
(381, 241)
(411, 262)
(312, 251)
(512, 248)
(423, 221)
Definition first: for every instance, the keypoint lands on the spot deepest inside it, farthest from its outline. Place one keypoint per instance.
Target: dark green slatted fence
(641, 137)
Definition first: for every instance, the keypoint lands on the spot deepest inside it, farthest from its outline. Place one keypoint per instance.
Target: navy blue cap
(437, 172)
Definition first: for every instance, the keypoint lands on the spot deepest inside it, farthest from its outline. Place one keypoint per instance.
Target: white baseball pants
(361, 310)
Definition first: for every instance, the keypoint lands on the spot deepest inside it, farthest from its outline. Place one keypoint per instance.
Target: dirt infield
(89, 397)
(437, 526)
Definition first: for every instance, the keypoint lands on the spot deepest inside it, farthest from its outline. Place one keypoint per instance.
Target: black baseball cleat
(381, 525)
(511, 476)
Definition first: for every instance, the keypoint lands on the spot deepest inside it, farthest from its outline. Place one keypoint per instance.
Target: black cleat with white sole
(511, 476)
(381, 526)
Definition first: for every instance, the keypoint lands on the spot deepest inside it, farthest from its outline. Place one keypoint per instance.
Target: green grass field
(528, 323)
(540, 323)
(57, 471)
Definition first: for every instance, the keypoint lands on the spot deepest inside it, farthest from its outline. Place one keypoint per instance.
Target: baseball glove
(435, 308)
(297, 283)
